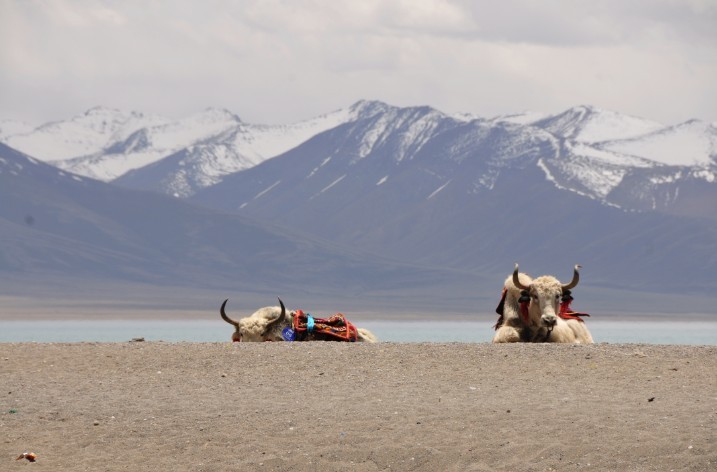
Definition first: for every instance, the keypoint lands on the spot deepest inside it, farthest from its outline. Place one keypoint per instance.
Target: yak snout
(549, 320)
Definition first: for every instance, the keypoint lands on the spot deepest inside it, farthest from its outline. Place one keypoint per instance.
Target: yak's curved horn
(224, 315)
(576, 278)
(279, 319)
(516, 282)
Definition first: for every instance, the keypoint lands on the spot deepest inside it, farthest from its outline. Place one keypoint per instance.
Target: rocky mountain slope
(431, 197)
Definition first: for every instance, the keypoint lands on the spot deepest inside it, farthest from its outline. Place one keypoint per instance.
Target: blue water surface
(650, 332)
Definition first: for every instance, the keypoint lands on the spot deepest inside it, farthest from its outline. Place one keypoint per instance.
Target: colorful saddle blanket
(334, 328)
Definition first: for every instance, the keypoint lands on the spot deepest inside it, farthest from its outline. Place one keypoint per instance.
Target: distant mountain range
(629, 162)
(105, 144)
(418, 196)
(59, 225)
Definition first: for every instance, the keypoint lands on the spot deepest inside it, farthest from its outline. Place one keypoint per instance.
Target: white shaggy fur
(545, 294)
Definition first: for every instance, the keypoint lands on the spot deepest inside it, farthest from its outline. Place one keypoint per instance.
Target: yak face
(546, 293)
(265, 324)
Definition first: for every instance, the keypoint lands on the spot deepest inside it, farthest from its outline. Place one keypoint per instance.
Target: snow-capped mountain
(86, 134)
(450, 194)
(148, 144)
(524, 118)
(415, 184)
(13, 127)
(105, 144)
(243, 146)
(690, 144)
(587, 150)
(589, 124)
(641, 170)
(59, 225)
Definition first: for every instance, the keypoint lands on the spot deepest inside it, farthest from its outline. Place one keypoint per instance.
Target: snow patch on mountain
(234, 149)
(590, 124)
(104, 143)
(599, 182)
(269, 188)
(667, 179)
(229, 145)
(693, 143)
(12, 127)
(465, 117)
(202, 166)
(332, 184)
(435, 192)
(317, 168)
(260, 142)
(607, 157)
(524, 118)
(413, 126)
(599, 148)
(82, 135)
(584, 149)
(704, 174)
(214, 162)
(178, 134)
(595, 177)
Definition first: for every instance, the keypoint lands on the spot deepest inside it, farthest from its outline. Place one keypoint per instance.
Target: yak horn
(516, 282)
(576, 278)
(277, 320)
(224, 315)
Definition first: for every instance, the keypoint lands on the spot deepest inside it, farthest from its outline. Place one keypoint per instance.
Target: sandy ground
(332, 406)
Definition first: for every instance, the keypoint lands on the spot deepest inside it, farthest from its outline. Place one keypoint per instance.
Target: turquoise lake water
(649, 332)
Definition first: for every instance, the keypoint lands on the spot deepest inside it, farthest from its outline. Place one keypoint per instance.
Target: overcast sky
(274, 61)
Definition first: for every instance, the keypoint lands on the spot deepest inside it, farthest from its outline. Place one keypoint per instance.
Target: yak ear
(278, 320)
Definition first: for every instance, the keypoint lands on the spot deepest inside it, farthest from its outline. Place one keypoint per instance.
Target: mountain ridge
(435, 200)
(596, 148)
(447, 209)
(56, 225)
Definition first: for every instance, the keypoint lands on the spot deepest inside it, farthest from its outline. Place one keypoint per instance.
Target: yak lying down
(538, 310)
(274, 323)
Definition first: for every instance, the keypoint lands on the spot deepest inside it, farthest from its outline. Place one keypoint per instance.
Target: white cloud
(277, 61)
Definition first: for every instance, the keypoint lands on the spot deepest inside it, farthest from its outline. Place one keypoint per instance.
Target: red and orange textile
(334, 328)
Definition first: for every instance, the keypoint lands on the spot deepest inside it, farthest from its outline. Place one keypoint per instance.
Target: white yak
(538, 310)
(273, 323)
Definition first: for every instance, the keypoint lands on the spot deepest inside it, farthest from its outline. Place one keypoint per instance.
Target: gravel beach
(364, 407)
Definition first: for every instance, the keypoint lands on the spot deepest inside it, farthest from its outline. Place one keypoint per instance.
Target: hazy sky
(274, 61)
